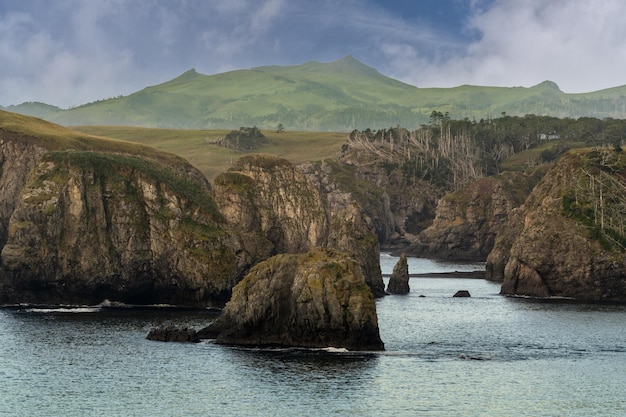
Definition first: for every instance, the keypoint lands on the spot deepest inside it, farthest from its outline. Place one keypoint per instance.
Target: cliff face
(85, 219)
(280, 208)
(397, 207)
(467, 221)
(316, 299)
(17, 159)
(81, 227)
(568, 238)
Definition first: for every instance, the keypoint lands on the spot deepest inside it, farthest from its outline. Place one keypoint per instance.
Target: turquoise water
(481, 356)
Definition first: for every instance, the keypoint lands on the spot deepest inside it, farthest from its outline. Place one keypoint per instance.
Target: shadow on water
(323, 360)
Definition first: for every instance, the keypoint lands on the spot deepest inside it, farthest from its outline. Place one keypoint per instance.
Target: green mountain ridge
(338, 96)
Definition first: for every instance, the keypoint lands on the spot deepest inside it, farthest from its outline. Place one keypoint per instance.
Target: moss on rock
(316, 299)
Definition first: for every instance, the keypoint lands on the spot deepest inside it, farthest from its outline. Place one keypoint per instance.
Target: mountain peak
(550, 85)
(349, 59)
(351, 64)
(188, 74)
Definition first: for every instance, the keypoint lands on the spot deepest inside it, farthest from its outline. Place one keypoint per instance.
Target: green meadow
(196, 147)
(54, 137)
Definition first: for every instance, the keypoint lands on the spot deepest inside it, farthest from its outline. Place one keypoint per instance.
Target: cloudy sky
(68, 52)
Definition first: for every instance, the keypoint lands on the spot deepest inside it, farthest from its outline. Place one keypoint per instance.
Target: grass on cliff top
(196, 147)
(54, 137)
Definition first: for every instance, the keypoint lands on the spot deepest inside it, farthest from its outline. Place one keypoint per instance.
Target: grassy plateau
(196, 147)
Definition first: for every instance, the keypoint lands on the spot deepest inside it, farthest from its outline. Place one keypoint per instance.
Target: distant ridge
(338, 96)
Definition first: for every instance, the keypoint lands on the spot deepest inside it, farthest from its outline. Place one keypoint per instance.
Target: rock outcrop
(277, 207)
(318, 299)
(568, 239)
(17, 159)
(85, 219)
(467, 221)
(397, 206)
(399, 279)
(173, 334)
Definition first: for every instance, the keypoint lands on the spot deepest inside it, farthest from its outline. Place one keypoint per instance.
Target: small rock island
(399, 280)
(315, 300)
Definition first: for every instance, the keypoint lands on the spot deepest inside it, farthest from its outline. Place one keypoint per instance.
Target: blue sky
(68, 52)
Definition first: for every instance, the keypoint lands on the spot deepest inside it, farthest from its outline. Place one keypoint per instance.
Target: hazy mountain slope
(33, 108)
(336, 96)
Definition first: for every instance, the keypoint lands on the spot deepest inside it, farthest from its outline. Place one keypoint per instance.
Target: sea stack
(314, 300)
(399, 280)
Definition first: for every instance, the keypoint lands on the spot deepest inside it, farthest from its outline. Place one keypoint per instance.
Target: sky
(70, 52)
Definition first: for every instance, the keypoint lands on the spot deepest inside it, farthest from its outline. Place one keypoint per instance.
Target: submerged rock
(173, 334)
(317, 299)
(399, 280)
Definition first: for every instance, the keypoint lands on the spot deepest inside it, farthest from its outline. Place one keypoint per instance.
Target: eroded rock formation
(316, 299)
(281, 208)
(467, 221)
(566, 240)
(85, 219)
(398, 207)
(92, 226)
(399, 279)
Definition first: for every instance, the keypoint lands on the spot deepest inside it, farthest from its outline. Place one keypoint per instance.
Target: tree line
(451, 153)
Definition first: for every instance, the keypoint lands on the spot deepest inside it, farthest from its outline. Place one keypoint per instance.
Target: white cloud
(73, 51)
(65, 65)
(239, 26)
(576, 43)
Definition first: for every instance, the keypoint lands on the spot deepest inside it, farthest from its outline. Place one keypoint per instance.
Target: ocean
(487, 355)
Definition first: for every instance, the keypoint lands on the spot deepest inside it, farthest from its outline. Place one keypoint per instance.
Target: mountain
(34, 108)
(336, 96)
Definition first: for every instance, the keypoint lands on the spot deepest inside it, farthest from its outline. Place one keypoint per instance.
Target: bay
(486, 355)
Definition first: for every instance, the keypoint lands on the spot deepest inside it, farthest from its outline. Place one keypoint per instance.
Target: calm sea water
(481, 356)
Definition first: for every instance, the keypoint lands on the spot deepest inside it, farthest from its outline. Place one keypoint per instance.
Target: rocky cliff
(84, 219)
(568, 239)
(281, 208)
(17, 159)
(467, 221)
(106, 220)
(398, 206)
(316, 299)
